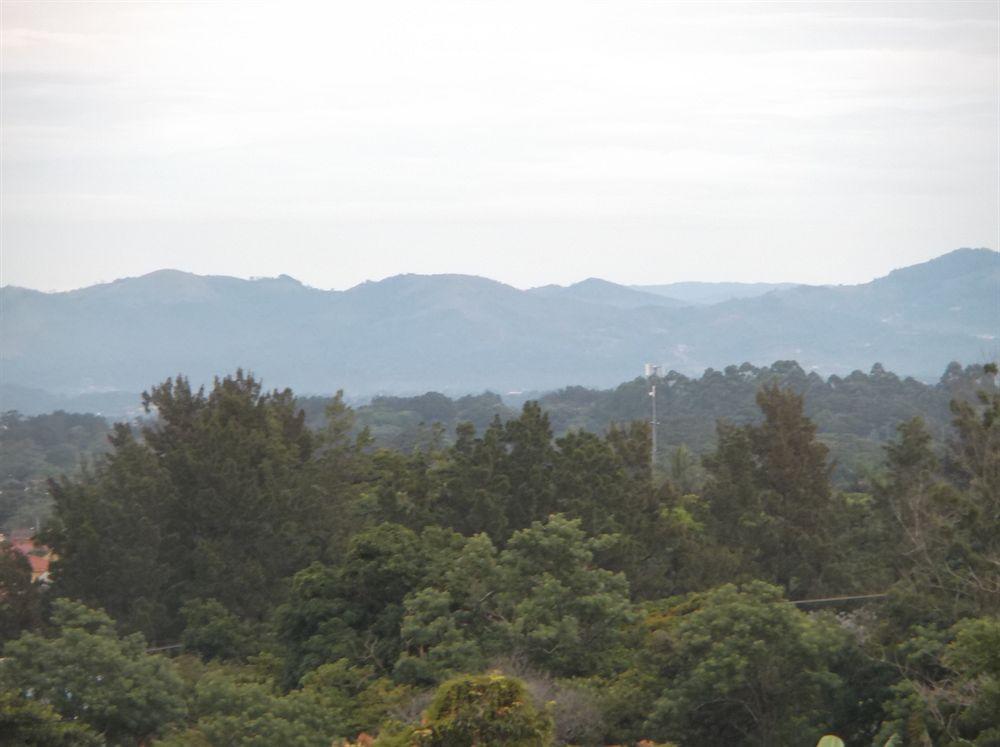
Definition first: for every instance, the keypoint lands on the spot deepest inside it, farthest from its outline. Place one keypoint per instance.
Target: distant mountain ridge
(458, 333)
(603, 292)
(695, 293)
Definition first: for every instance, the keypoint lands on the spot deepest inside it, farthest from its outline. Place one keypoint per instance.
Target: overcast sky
(530, 142)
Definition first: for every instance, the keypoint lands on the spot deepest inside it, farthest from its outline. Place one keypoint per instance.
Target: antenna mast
(652, 425)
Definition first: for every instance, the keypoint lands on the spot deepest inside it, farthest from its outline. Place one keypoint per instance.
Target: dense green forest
(855, 416)
(229, 575)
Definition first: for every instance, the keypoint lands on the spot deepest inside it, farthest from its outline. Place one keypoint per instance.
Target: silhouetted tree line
(855, 414)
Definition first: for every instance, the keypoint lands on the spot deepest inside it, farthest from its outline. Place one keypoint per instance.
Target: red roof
(39, 565)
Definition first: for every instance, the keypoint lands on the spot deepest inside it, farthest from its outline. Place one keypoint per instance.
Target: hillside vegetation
(855, 414)
(511, 587)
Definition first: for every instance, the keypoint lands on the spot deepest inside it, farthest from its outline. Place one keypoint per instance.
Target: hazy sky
(530, 142)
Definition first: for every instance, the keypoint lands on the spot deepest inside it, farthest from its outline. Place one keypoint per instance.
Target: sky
(529, 142)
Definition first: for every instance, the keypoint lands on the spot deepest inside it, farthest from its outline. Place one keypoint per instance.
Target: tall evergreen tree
(769, 494)
(528, 466)
(473, 492)
(797, 496)
(220, 497)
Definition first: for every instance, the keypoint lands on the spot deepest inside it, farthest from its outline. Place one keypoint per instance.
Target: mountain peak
(593, 282)
(166, 281)
(957, 263)
(412, 280)
(598, 291)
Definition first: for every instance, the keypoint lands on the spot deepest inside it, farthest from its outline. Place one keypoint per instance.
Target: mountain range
(459, 333)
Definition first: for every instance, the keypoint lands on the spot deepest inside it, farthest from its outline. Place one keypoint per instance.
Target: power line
(164, 648)
(824, 600)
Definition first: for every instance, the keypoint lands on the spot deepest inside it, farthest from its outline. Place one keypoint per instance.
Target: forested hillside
(855, 414)
(34, 449)
(512, 586)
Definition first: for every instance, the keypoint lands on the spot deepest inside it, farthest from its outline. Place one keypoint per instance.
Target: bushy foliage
(391, 601)
(86, 673)
(949, 687)
(28, 722)
(242, 705)
(741, 665)
(484, 709)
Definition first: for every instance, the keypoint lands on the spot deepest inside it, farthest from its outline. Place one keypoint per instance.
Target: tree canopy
(227, 574)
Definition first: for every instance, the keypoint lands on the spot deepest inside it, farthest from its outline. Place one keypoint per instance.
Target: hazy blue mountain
(709, 293)
(595, 290)
(457, 334)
